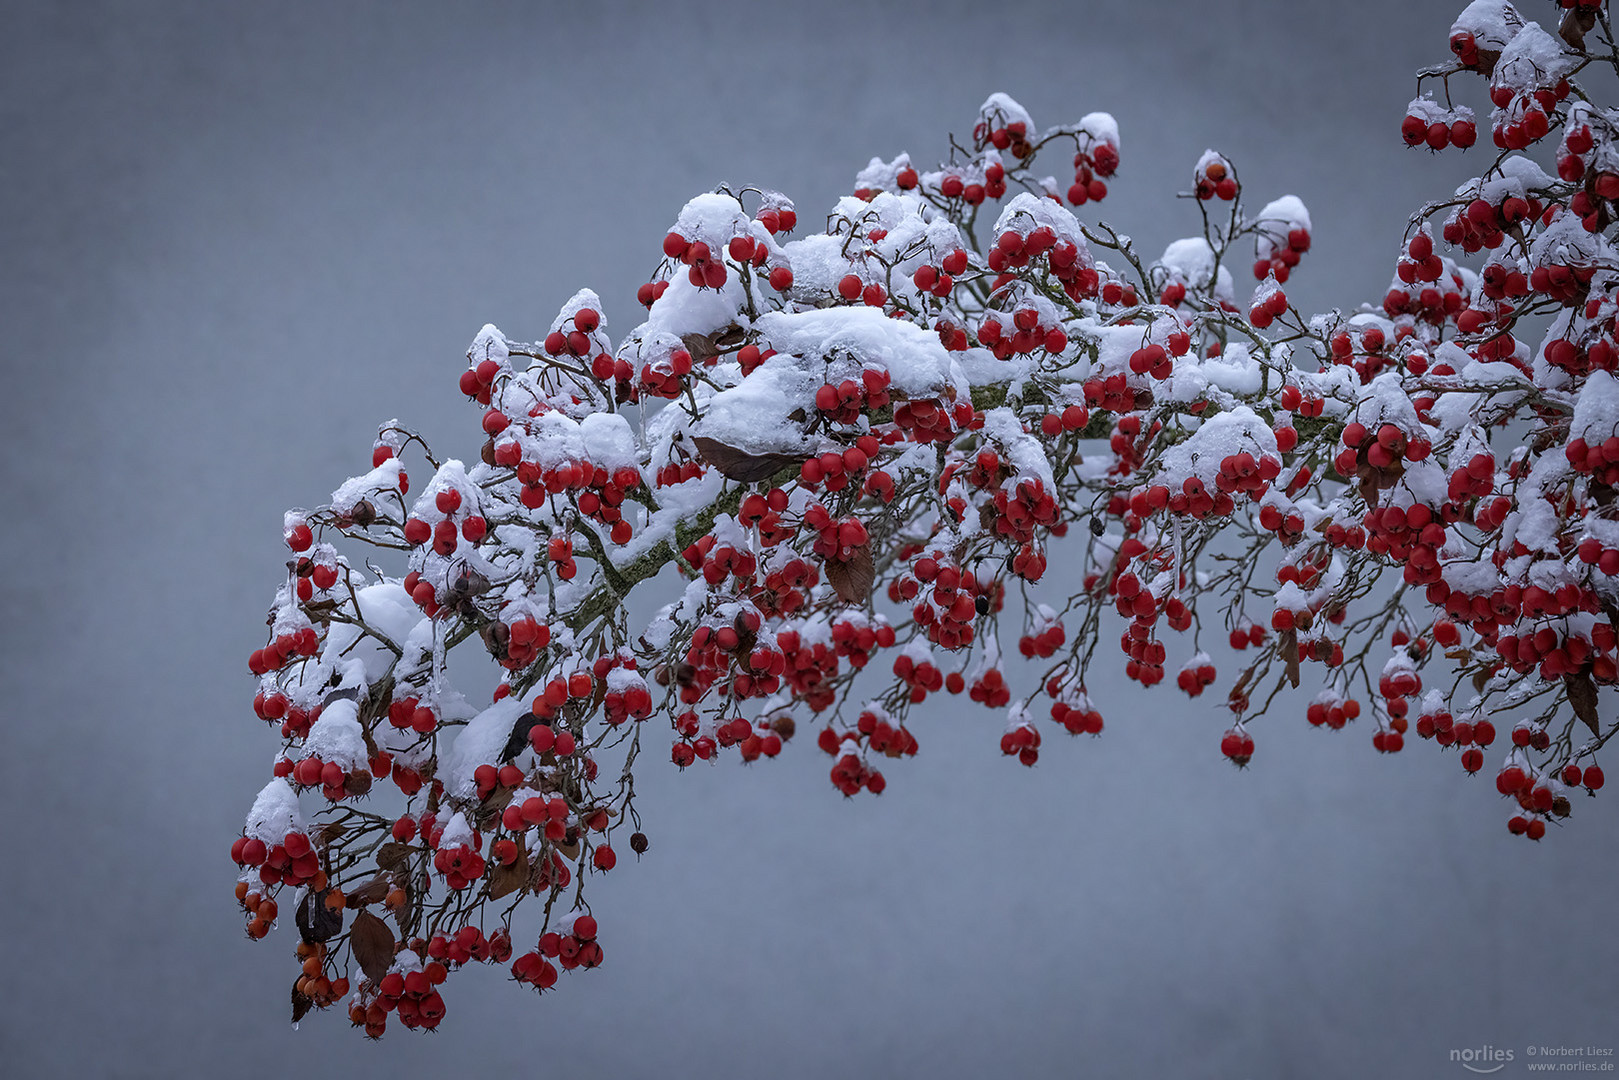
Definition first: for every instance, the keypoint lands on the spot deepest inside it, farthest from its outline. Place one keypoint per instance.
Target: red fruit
(850, 287)
(542, 738)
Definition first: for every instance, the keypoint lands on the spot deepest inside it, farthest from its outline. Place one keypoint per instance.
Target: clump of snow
(999, 110)
(1278, 218)
(384, 477)
(917, 363)
(1221, 436)
(1596, 413)
(337, 736)
(1493, 23)
(274, 813)
(480, 742)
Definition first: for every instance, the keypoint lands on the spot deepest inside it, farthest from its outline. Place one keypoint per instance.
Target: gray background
(235, 239)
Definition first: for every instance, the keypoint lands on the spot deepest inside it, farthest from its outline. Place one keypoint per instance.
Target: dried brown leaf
(852, 580)
(327, 833)
(393, 856)
(701, 347)
(1288, 640)
(1582, 694)
(508, 879)
(497, 800)
(317, 922)
(301, 1004)
(373, 945)
(1241, 686)
(739, 464)
(1575, 25)
(374, 891)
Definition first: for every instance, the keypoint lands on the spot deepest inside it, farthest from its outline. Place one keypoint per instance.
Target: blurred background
(237, 238)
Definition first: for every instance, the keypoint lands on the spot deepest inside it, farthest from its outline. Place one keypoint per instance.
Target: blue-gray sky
(238, 238)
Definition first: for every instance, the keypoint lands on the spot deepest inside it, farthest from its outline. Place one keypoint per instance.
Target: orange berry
(312, 966)
(334, 900)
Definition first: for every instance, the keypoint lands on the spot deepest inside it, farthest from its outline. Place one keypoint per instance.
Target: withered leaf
(508, 879)
(393, 856)
(496, 801)
(492, 639)
(373, 945)
(517, 741)
(405, 915)
(1241, 686)
(740, 465)
(300, 1004)
(328, 833)
(702, 348)
(1582, 694)
(729, 336)
(1575, 25)
(569, 851)
(1289, 642)
(374, 891)
(347, 693)
(316, 922)
(852, 580)
(746, 637)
